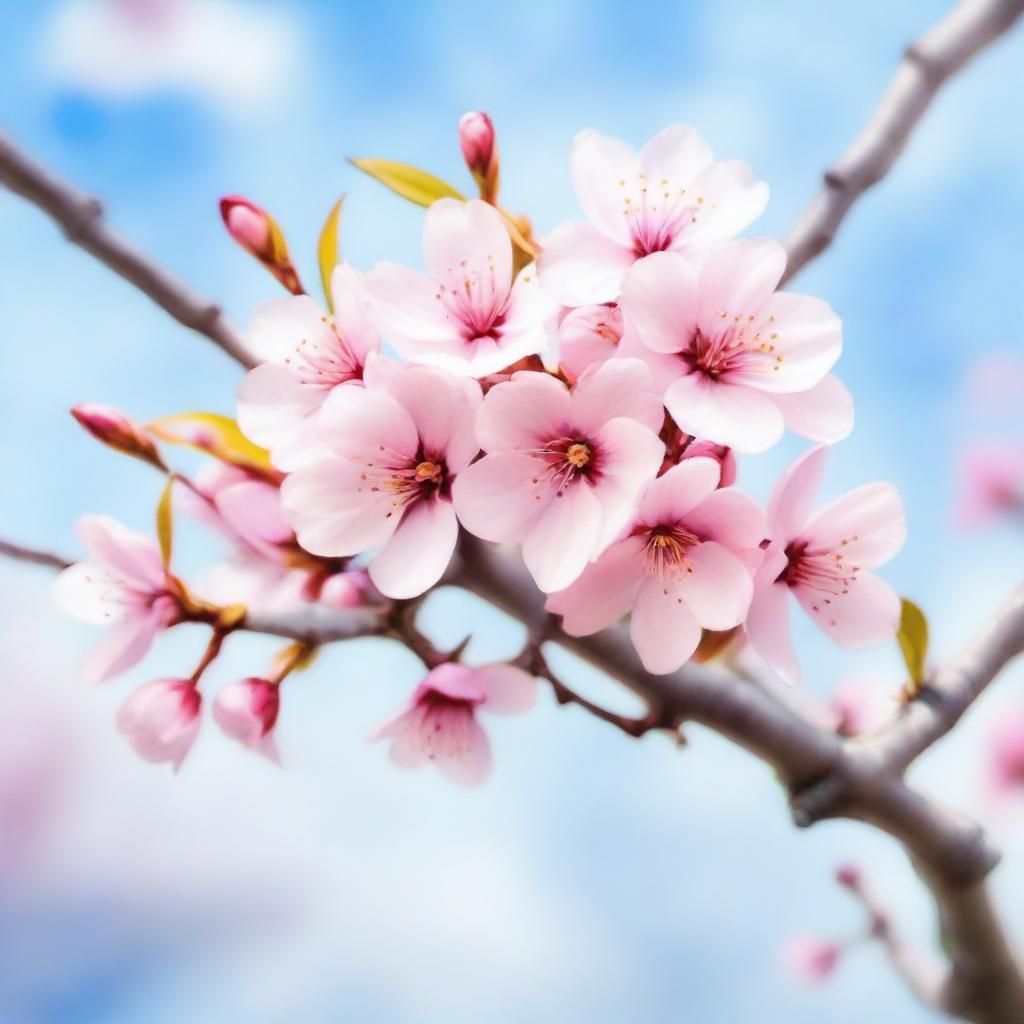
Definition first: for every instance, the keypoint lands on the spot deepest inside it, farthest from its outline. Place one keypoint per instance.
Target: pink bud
(810, 960)
(247, 710)
(722, 455)
(849, 877)
(480, 151)
(349, 589)
(256, 232)
(116, 430)
(161, 719)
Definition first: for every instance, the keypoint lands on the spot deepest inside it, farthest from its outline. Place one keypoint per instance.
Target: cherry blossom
(307, 356)
(394, 447)
(1006, 752)
(680, 566)
(123, 586)
(439, 721)
(563, 467)
(724, 345)
(161, 720)
(671, 196)
(247, 710)
(588, 335)
(466, 313)
(823, 560)
(810, 959)
(991, 483)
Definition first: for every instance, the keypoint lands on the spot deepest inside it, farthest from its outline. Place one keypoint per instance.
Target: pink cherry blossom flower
(466, 313)
(1006, 753)
(247, 711)
(439, 721)
(822, 560)
(671, 196)
(809, 959)
(123, 586)
(991, 483)
(588, 335)
(395, 448)
(724, 345)
(307, 356)
(679, 567)
(562, 468)
(161, 720)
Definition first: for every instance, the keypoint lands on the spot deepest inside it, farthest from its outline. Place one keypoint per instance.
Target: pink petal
(630, 456)
(805, 332)
(253, 510)
(409, 313)
(121, 646)
(673, 494)
(718, 589)
(729, 517)
(442, 407)
(464, 754)
(677, 153)
(468, 240)
(824, 413)
(868, 525)
(662, 628)
(618, 387)
(659, 302)
(733, 200)
(273, 407)
(419, 550)
(790, 504)
(728, 414)
(352, 311)
(579, 265)
(599, 162)
(87, 591)
(509, 690)
(738, 277)
(460, 682)
(132, 556)
(333, 512)
(588, 336)
(277, 327)
(604, 593)
(767, 627)
(867, 614)
(524, 412)
(564, 538)
(361, 424)
(496, 499)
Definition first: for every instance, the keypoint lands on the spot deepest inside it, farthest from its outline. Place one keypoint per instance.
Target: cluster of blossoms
(583, 398)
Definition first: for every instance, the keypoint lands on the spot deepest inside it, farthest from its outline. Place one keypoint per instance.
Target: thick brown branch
(80, 216)
(928, 63)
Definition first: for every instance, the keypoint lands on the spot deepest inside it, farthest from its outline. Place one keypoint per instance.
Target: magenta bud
(257, 232)
(117, 431)
(161, 719)
(247, 710)
(849, 877)
(480, 151)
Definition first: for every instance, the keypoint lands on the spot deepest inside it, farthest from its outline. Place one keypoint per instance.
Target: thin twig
(928, 63)
(80, 216)
(34, 556)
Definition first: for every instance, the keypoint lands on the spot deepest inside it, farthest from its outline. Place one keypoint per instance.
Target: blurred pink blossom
(247, 710)
(990, 483)
(809, 959)
(1006, 752)
(161, 720)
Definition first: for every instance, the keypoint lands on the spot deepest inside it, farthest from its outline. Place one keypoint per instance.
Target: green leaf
(327, 249)
(217, 435)
(409, 182)
(165, 523)
(913, 639)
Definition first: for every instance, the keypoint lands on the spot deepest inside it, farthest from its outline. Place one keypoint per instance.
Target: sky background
(594, 878)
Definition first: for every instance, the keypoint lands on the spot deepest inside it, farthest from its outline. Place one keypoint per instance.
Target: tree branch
(928, 63)
(19, 553)
(80, 216)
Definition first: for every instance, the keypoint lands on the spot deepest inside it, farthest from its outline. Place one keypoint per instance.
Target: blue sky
(595, 878)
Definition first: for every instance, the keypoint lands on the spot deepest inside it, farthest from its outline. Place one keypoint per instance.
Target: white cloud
(233, 54)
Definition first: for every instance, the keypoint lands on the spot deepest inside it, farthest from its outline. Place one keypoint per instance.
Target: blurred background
(594, 878)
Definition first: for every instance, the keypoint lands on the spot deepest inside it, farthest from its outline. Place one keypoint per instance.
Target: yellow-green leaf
(219, 436)
(327, 249)
(165, 523)
(412, 183)
(913, 639)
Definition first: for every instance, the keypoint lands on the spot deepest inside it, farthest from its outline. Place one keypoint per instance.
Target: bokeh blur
(594, 878)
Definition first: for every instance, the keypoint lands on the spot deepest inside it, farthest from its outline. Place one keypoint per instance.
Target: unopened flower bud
(480, 151)
(161, 719)
(247, 710)
(257, 232)
(811, 960)
(117, 431)
(849, 877)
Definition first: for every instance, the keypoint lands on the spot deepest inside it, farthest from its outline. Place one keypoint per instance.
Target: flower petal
(509, 690)
(580, 266)
(678, 153)
(673, 494)
(824, 413)
(617, 387)
(728, 414)
(419, 550)
(496, 499)
(524, 412)
(599, 162)
(366, 425)
(789, 507)
(659, 302)
(277, 327)
(767, 628)
(468, 241)
(868, 613)
(868, 524)
(129, 555)
(719, 587)
(121, 646)
(564, 538)
(662, 628)
(729, 517)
